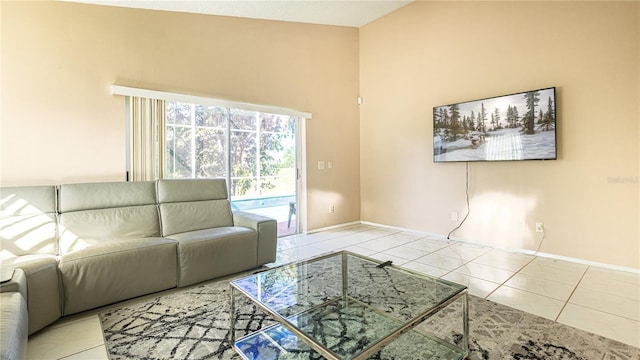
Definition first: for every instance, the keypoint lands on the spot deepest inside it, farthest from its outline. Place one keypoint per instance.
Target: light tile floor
(595, 299)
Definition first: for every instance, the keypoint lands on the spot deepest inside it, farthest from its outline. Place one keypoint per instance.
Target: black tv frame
(511, 135)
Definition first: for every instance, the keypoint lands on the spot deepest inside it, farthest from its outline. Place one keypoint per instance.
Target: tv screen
(519, 126)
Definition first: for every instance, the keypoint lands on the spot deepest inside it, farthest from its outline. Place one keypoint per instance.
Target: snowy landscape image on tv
(519, 126)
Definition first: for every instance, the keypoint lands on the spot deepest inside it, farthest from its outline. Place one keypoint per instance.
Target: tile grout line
(601, 310)
(572, 292)
(85, 350)
(511, 277)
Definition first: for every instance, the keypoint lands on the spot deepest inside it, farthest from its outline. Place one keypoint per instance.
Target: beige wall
(60, 122)
(434, 53)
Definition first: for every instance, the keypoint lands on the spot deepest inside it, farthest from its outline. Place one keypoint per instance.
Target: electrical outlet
(454, 216)
(539, 227)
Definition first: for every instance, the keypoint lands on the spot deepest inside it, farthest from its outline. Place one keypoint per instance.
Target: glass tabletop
(345, 302)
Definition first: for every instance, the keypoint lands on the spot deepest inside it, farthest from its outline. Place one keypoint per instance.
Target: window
(255, 151)
(196, 141)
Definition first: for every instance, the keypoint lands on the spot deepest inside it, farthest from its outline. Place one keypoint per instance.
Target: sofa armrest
(39, 283)
(17, 281)
(13, 326)
(267, 234)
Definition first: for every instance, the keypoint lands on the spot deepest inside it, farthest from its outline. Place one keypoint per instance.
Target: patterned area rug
(193, 323)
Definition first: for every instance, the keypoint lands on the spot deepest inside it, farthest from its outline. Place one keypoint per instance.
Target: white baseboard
(514, 250)
(333, 227)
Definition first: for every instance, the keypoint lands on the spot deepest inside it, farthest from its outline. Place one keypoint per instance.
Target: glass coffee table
(347, 306)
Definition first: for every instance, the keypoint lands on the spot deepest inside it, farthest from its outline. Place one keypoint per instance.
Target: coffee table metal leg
(465, 323)
(232, 317)
(345, 280)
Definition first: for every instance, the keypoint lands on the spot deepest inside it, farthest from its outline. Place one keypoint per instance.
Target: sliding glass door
(254, 151)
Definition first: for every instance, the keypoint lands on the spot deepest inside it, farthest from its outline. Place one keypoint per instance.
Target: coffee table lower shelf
(276, 342)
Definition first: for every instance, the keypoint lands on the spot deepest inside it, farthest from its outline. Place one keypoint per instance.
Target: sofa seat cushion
(13, 326)
(44, 299)
(211, 253)
(113, 271)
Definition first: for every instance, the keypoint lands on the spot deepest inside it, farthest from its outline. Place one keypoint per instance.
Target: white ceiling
(353, 13)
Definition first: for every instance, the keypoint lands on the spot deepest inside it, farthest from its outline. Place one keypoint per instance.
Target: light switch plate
(320, 165)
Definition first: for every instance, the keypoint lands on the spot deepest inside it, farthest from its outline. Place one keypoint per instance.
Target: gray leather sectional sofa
(75, 247)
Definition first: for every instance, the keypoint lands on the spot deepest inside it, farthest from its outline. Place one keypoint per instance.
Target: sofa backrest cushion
(193, 204)
(28, 221)
(92, 196)
(181, 190)
(98, 212)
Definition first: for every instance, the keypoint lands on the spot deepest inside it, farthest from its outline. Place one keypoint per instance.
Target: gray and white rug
(193, 323)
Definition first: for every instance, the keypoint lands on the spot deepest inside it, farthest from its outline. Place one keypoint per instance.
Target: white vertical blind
(146, 138)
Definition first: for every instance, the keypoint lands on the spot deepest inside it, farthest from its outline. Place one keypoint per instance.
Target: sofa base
(117, 271)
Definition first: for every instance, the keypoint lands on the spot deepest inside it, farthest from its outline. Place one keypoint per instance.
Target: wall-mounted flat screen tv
(519, 126)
